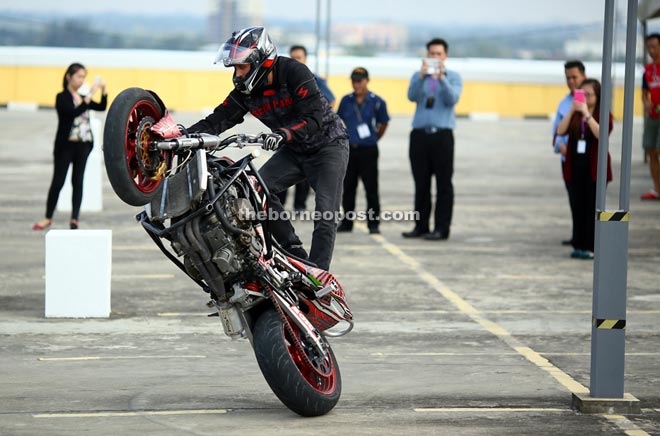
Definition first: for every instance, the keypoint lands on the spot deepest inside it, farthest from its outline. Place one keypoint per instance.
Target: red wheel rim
(140, 110)
(322, 378)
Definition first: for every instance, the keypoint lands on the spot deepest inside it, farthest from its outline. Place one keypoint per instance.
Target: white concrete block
(484, 116)
(92, 200)
(78, 273)
(22, 106)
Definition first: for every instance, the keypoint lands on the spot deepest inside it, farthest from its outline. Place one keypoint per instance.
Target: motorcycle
(206, 208)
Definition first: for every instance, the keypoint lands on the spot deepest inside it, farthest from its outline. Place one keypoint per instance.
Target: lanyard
(582, 129)
(358, 111)
(433, 84)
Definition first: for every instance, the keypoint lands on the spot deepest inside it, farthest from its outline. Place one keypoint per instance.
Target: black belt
(430, 130)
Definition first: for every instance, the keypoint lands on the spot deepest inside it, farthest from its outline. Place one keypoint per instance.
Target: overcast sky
(440, 11)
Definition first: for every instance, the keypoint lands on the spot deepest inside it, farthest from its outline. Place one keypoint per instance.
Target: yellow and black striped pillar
(609, 308)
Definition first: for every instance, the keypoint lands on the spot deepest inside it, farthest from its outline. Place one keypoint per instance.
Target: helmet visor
(233, 54)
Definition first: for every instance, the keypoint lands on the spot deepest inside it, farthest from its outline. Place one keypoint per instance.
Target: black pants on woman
(432, 154)
(583, 204)
(75, 154)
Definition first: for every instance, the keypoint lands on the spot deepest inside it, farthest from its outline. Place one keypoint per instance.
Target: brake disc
(150, 161)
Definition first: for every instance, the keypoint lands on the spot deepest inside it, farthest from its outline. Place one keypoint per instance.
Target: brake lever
(245, 140)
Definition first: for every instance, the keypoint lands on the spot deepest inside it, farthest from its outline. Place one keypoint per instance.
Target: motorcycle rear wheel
(308, 391)
(128, 164)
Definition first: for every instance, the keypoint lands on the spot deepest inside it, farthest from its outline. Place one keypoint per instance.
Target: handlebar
(205, 140)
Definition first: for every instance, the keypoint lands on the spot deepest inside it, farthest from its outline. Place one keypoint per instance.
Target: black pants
(362, 164)
(75, 154)
(324, 170)
(570, 202)
(432, 154)
(299, 197)
(583, 205)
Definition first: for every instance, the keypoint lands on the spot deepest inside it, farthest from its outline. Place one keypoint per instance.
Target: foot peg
(325, 291)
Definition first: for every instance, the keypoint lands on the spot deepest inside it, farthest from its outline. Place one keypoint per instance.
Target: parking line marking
(139, 413)
(83, 358)
(534, 357)
(628, 427)
(495, 353)
(490, 409)
(550, 353)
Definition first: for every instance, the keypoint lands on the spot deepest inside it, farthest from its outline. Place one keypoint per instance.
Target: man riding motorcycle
(310, 139)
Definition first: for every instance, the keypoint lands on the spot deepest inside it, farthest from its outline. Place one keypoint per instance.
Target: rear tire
(131, 110)
(308, 391)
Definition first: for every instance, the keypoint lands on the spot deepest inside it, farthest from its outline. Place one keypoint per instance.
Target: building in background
(385, 37)
(227, 16)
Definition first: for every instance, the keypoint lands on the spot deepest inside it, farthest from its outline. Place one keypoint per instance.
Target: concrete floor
(484, 334)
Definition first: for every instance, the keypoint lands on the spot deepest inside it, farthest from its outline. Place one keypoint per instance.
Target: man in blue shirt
(299, 53)
(575, 74)
(365, 115)
(436, 91)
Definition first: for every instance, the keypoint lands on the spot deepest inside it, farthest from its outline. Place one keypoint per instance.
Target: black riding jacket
(292, 105)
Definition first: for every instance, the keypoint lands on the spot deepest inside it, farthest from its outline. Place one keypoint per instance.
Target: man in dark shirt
(299, 53)
(366, 118)
(310, 139)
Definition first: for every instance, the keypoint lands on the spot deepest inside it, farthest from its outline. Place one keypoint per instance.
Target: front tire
(135, 173)
(308, 391)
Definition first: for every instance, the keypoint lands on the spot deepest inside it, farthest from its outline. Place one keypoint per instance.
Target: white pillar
(93, 183)
(78, 273)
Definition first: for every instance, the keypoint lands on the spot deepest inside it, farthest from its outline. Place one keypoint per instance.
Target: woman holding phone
(581, 167)
(73, 141)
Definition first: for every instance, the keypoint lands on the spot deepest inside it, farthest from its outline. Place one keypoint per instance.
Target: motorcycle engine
(232, 242)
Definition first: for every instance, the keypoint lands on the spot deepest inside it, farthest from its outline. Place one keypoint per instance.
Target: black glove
(272, 140)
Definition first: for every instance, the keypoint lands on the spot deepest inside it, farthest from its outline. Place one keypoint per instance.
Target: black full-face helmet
(251, 46)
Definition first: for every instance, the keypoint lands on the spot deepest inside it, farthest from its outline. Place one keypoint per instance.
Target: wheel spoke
(321, 377)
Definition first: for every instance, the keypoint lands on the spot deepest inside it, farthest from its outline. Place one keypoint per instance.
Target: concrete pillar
(78, 272)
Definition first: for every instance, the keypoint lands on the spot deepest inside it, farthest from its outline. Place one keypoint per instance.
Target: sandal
(651, 195)
(73, 225)
(43, 224)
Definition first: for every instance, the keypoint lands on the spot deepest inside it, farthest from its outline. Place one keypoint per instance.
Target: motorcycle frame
(279, 296)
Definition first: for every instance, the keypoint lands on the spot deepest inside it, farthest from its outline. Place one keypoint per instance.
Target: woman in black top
(73, 141)
(581, 123)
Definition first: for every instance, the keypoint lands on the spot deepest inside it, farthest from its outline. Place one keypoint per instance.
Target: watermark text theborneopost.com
(308, 215)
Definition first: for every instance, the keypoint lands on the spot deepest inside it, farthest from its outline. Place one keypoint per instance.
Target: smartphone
(578, 95)
(433, 66)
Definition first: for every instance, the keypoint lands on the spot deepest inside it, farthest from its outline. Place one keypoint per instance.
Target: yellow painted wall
(186, 90)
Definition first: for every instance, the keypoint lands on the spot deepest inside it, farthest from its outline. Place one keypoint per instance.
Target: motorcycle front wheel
(134, 171)
(307, 390)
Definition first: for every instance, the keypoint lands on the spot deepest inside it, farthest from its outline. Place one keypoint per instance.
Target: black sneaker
(414, 233)
(344, 227)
